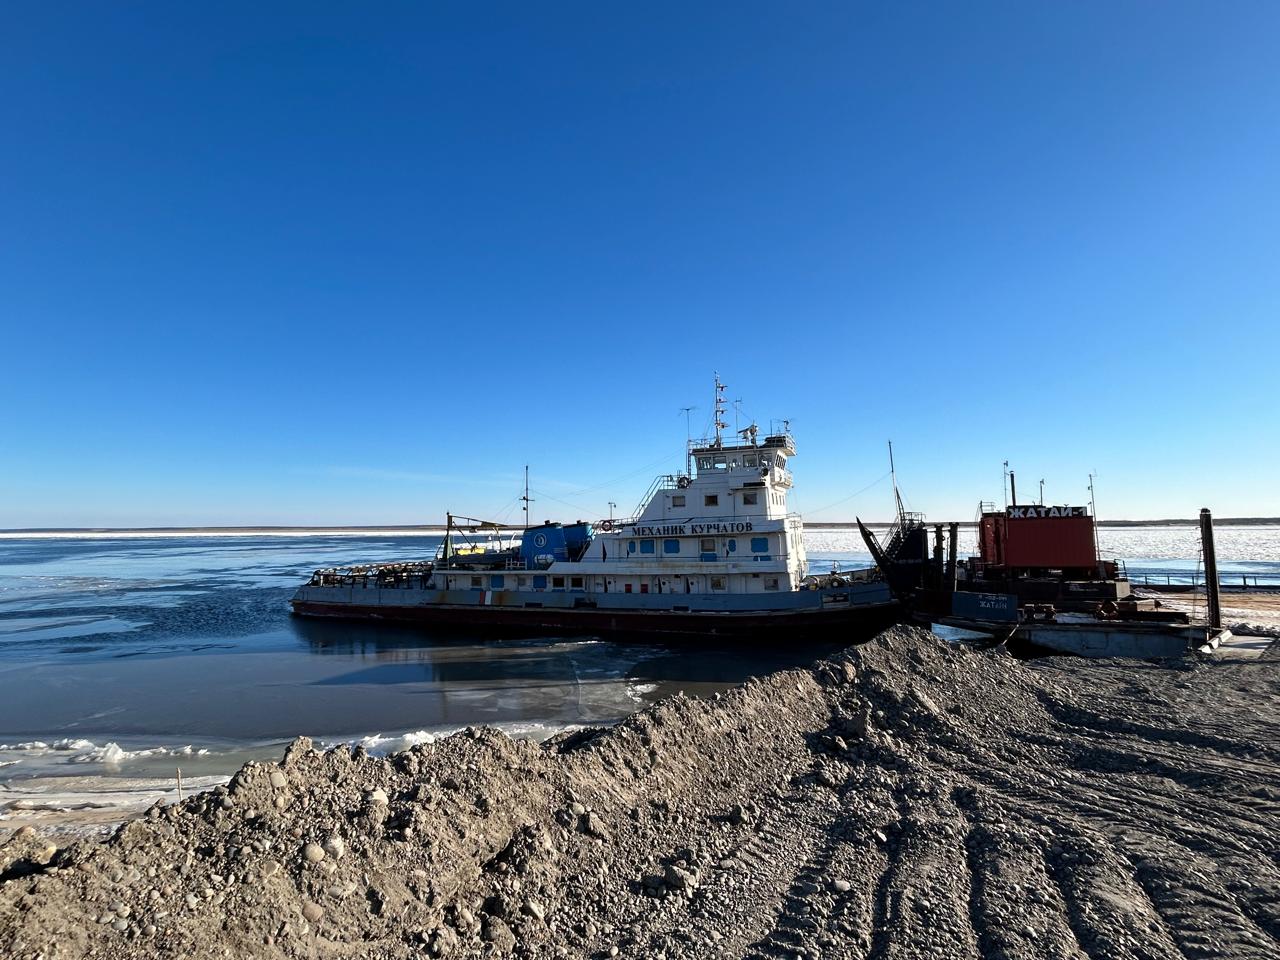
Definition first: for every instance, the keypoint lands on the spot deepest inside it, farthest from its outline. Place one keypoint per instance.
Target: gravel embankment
(904, 799)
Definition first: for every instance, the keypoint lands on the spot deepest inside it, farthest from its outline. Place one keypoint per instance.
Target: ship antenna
(719, 410)
(1093, 506)
(525, 498)
(688, 441)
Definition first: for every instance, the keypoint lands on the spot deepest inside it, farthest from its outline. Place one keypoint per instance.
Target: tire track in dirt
(903, 800)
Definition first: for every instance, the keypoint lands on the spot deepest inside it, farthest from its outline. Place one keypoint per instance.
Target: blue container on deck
(576, 537)
(542, 546)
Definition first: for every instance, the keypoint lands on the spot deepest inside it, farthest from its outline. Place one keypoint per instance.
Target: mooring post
(937, 554)
(1210, 569)
(953, 534)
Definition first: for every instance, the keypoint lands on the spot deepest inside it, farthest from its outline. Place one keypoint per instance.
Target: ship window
(721, 463)
(670, 546)
(646, 546)
(749, 460)
(497, 581)
(677, 500)
(759, 544)
(733, 545)
(575, 583)
(626, 588)
(779, 461)
(704, 463)
(711, 500)
(644, 588)
(717, 583)
(475, 583)
(708, 545)
(540, 582)
(557, 583)
(750, 499)
(631, 546)
(771, 583)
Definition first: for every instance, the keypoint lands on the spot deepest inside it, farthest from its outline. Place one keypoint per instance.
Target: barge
(1038, 581)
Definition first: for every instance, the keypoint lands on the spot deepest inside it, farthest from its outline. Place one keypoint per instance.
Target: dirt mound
(903, 799)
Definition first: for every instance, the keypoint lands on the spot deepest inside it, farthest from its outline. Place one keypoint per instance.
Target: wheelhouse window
(749, 460)
(704, 463)
(750, 499)
(677, 500)
(711, 500)
(646, 546)
(671, 546)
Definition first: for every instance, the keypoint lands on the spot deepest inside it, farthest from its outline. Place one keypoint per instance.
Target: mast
(525, 498)
(893, 473)
(719, 410)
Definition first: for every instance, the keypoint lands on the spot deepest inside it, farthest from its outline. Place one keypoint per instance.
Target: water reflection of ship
(467, 681)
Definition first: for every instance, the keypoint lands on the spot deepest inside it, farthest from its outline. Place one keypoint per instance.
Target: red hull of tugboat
(847, 624)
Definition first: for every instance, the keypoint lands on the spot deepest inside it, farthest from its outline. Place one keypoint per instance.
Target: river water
(122, 659)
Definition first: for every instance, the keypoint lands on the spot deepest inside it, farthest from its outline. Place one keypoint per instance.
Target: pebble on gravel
(312, 912)
(313, 853)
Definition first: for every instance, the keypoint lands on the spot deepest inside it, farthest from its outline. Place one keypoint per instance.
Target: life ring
(606, 525)
(683, 483)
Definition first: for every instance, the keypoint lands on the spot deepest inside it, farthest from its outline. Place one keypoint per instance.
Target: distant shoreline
(435, 530)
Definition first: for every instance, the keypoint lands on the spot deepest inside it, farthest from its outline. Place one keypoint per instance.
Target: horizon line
(305, 529)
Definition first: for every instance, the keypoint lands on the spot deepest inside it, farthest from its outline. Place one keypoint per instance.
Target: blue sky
(335, 263)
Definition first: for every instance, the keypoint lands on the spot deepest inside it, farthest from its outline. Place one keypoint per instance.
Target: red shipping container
(1053, 542)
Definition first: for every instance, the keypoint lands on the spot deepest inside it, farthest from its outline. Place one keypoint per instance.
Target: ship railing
(1194, 581)
(665, 481)
(395, 574)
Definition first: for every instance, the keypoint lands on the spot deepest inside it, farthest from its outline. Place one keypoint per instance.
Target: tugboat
(711, 552)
